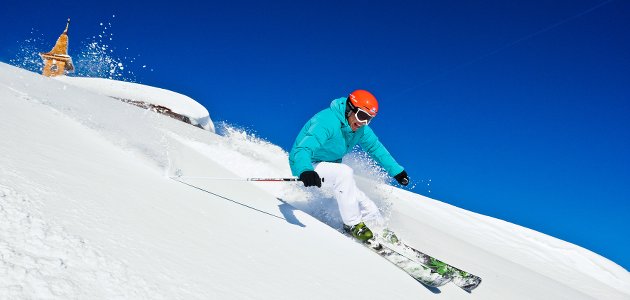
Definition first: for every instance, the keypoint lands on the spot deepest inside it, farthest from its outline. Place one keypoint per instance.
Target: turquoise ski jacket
(327, 136)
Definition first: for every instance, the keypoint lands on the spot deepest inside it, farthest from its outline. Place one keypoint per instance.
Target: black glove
(402, 178)
(311, 178)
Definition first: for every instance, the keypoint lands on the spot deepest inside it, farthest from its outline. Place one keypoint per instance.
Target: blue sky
(513, 109)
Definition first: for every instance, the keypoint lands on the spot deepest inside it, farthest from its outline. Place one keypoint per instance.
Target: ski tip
(468, 285)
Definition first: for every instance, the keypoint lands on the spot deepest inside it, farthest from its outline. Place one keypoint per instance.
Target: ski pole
(243, 179)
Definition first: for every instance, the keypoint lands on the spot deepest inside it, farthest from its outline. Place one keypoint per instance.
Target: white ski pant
(354, 205)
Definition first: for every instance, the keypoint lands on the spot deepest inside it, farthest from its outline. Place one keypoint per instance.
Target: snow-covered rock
(167, 102)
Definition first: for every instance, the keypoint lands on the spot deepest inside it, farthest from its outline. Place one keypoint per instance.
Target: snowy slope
(87, 210)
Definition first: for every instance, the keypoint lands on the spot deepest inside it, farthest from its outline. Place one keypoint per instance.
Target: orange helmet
(365, 101)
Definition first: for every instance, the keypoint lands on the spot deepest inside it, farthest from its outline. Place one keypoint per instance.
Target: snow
(88, 211)
(176, 102)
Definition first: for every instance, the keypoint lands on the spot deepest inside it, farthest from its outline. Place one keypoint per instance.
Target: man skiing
(322, 143)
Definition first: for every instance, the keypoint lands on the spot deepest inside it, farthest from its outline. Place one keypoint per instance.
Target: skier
(320, 146)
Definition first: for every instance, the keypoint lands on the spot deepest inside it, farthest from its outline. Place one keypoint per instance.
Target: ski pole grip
(297, 179)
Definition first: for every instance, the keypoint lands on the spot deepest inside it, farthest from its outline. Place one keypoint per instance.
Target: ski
(416, 270)
(462, 279)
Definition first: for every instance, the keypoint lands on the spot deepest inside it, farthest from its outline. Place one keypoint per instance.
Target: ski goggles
(362, 116)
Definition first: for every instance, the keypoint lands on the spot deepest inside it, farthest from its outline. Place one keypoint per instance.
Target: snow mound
(135, 93)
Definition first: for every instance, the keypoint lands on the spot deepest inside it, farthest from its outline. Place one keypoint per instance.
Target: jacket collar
(338, 106)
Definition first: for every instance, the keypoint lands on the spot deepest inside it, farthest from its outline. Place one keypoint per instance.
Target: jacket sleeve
(315, 135)
(370, 143)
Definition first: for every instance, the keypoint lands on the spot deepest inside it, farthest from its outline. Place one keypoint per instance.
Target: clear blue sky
(514, 109)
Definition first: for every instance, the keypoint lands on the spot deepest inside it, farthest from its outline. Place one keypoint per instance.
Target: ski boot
(359, 231)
